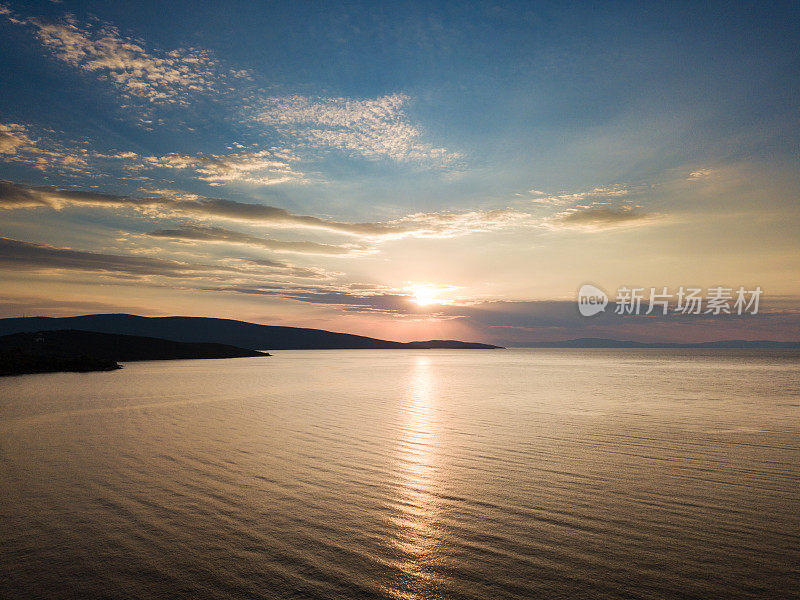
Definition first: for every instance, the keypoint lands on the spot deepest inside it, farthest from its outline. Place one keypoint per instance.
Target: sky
(405, 170)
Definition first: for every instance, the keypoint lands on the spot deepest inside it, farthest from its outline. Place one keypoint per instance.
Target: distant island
(83, 351)
(608, 343)
(224, 331)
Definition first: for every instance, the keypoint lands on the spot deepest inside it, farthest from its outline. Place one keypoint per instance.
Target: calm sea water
(406, 474)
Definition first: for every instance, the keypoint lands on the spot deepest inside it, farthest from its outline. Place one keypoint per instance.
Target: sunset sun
(424, 295)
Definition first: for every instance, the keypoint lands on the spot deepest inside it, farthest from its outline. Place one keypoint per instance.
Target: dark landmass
(605, 343)
(451, 344)
(16, 363)
(221, 331)
(73, 350)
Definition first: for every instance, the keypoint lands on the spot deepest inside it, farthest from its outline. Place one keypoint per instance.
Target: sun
(427, 294)
(424, 294)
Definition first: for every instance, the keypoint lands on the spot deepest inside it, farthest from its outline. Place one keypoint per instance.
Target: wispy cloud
(43, 150)
(15, 196)
(195, 233)
(282, 268)
(448, 224)
(19, 144)
(28, 255)
(13, 137)
(378, 128)
(264, 167)
(437, 224)
(699, 174)
(564, 198)
(396, 304)
(371, 128)
(599, 216)
(20, 305)
(161, 77)
(22, 255)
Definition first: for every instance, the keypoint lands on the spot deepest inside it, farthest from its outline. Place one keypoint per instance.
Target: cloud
(139, 73)
(564, 198)
(370, 128)
(13, 137)
(599, 216)
(19, 144)
(41, 151)
(18, 306)
(369, 300)
(699, 174)
(449, 224)
(17, 254)
(221, 235)
(438, 225)
(290, 270)
(19, 196)
(28, 255)
(264, 167)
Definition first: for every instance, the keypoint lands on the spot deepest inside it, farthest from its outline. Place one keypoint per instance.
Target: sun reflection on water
(416, 508)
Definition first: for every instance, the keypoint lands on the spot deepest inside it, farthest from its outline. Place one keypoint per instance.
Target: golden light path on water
(416, 534)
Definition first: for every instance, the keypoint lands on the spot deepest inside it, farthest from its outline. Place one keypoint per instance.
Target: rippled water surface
(406, 474)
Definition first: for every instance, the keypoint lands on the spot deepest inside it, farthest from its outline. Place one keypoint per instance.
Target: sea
(419, 474)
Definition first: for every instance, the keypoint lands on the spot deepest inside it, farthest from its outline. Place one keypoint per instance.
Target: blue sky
(320, 165)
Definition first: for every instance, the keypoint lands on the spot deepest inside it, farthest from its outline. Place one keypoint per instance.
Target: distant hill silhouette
(72, 350)
(607, 343)
(221, 331)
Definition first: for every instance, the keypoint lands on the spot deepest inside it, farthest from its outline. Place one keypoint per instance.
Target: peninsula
(81, 351)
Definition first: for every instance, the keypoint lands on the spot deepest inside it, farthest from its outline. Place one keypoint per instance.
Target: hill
(221, 331)
(72, 350)
(607, 343)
